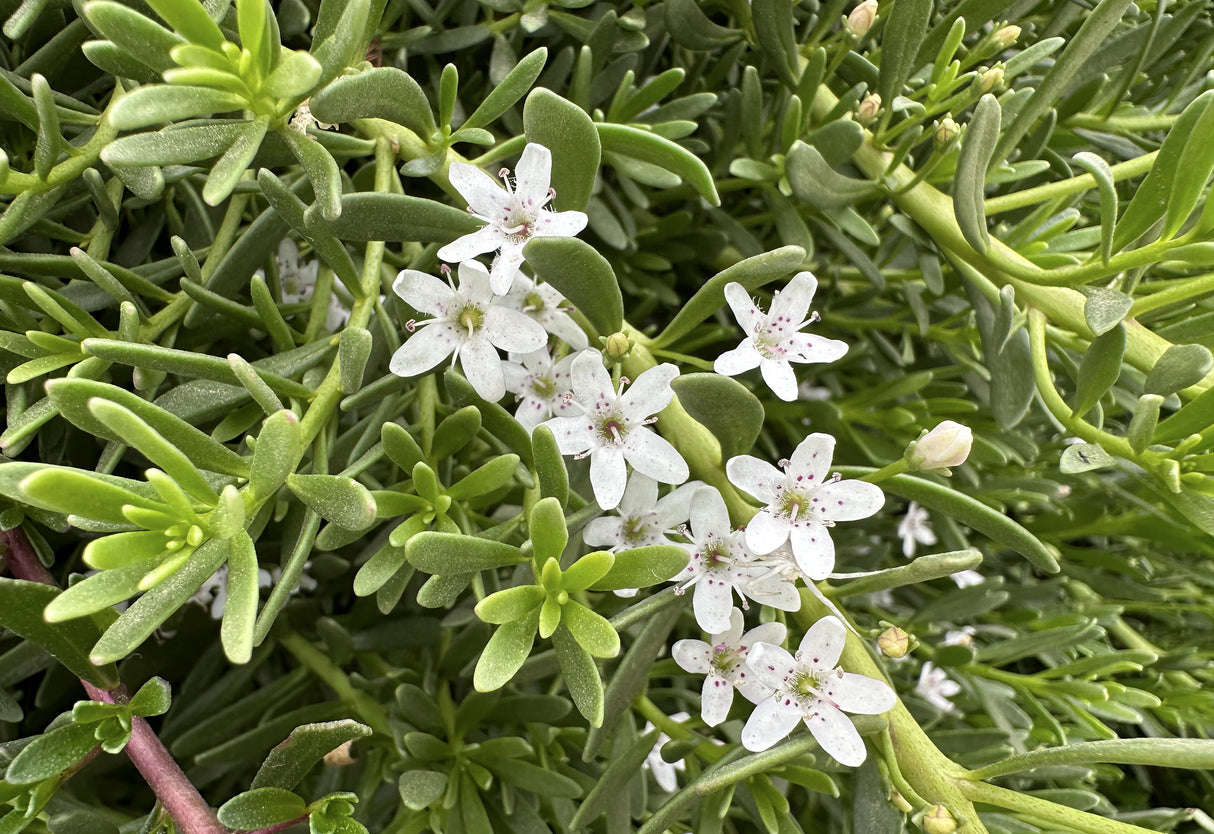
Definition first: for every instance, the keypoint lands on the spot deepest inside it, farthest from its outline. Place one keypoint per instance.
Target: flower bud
(861, 19)
(991, 78)
(340, 756)
(894, 642)
(948, 444)
(869, 107)
(938, 820)
(617, 346)
(946, 131)
(1006, 36)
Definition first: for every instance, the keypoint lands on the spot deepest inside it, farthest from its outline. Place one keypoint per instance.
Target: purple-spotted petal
(771, 721)
(482, 192)
(765, 532)
(744, 310)
(511, 330)
(811, 459)
(774, 591)
(505, 267)
(693, 656)
(733, 634)
(603, 531)
(814, 550)
(675, 508)
(745, 357)
(532, 176)
(653, 455)
(649, 393)
(485, 239)
(780, 378)
(483, 368)
(474, 282)
(823, 644)
(771, 664)
(608, 476)
(792, 304)
(756, 477)
(806, 348)
(590, 378)
(712, 603)
(424, 293)
(860, 694)
(849, 500)
(559, 223)
(574, 435)
(709, 515)
(836, 735)
(715, 699)
(423, 350)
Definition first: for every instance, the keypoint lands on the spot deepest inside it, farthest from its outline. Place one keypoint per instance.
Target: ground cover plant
(530, 417)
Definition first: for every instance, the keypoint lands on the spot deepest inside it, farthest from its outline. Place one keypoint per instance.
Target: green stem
(1068, 187)
(1194, 753)
(366, 707)
(1178, 291)
(896, 468)
(1054, 816)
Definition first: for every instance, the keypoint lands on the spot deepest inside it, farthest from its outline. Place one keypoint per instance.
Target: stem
(1178, 291)
(1068, 187)
(1051, 813)
(372, 714)
(282, 826)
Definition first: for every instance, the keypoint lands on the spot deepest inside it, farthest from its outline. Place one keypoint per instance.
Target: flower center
(769, 342)
(634, 531)
(793, 503)
(533, 302)
(716, 555)
(543, 387)
(612, 428)
(471, 318)
(725, 658)
(805, 683)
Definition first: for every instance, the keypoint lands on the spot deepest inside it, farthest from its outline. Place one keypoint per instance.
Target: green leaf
(723, 406)
(1084, 457)
(1143, 422)
(549, 535)
(614, 780)
(591, 630)
(564, 129)
(499, 422)
(378, 93)
(122, 550)
(645, 146)
(512, 88)
(1193, 417)
(135, 34)
(322, 171)
(261, 808)
(901, 38)
(455, 432)
(46, 149)
(539, 780)
(1179, 367)
(751, 273)
(78, 492)
(1104, 309)
(420, 789)
(153, 698)
(485, 479)
(641, 567)
(240, 610)
(353, 351)
(191, 20)
(582, 275)
(814, 182)
(161, 103)
(289, 762)
(510, 604)
(341, 500)
(774, 30)
(396, 217)
(922, 569)
(581, 676)
(587, 570)
(505, 652)
(279, 446)
(294, 77)
(49, 755)
(234, 162)
(21, 612)
(550, 469)
(400, 446)
(95, 593)
(690, 27)
(977, 150)
(1099, 369)
(1099, 169)
(174, 145)
(386, 562)
(347, 42)
(451, 554)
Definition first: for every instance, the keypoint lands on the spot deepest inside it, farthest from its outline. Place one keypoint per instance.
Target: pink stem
(282, 826)
(164, 776)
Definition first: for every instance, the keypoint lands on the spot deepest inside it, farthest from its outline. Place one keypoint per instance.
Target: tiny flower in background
(468, 323)
(773, 340)
(948, 444)
(540, 384)
(548, 307)
(915, 529)
(861, 19)
(664, 773)
(869, 109)
(213, 593)
(811, 687)
(723, 661)
(936, 687)
(802, 503)
(967, 578)
(612, 428)
(641, 519)
(513, 214)
(963, 636)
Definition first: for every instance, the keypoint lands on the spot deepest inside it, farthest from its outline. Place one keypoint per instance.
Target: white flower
(948, 444)
(612, 428)
(967, 578)
(811, 687)
(512, 215)
(664, 772)
(721, 564)
(546, 305)
(936, 687)
(772, 339)
(723, 662)
(642, 519)
(467, 323)
(802, 503)
(963, 636)
(914, 528)
(540, 385)
(213, 593)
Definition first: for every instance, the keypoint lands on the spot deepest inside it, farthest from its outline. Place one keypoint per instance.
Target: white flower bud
(861, 19)
(938, 820)
(991, 78)
(948, 444)
(870, 107)
(1006, 36)
(894, 642)
(946, 131)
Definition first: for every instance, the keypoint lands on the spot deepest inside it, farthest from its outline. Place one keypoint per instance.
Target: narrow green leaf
(512, 88)
(294, 77)
(1142, 423)
(581, 676)
(774, 28)
(322, 171)
(641, 567)
(724, 407)
(657, 150)
(191, 20)
(1193, 417)
(341, 500)
(49, 755)
(814, 182)
(1179, 367)
(234, 162)
(1099, 169)
(348, 41)
(62, 489)
(451, 553)
(977, 148)
(564, 129)
(289, 762)
(591, 630)
(135, 34)
(261, 808)
(1192, 170)
(123, 550)
(174, 145)
(378, 93)
(46, 149)
(550, 466)
(240, 610)
(95, 593)
(582, 275)
(353, 351)
(901, 38)
(505, 652)
(690, 27)
(21, 612)
(1084, 457)
(455, 432)
(279, 446)
(613, 782)
(1099, 369)
(400, 446)
(497, 421)
(397, 217)
(161, 103)
(510, 604)
(486, 478)
(546, 525)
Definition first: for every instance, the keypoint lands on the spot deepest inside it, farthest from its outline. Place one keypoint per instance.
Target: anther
(411, 325)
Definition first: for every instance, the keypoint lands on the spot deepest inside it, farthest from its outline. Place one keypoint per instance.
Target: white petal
(483, 368)
(850, 500)
(771, 721)
(563, 327)
(675, 508)
(765, 532)
(692, 656)
(823, 644)
(474, 282)
(558, 223)
(654, 456)
(513, 331)
(531, 412)
(532, 176)
(517, 377)
(603, 532)
(649, 393)
(771, 664)
(484, 195)
(814, 550)
(772, 633)
(573, 435)
(744, 310)
(732, 635)
(806, 348)
(590, 378)
(780, 378)
(709, 515)
(505, 267)
(859, 694)
(791, 305)
(424, 293)
(756, 477)
(485, 239)
(774, 591)
(608, 476)
(811, 459)
(715, 699)
(640, 495)
(425, 349)
(745, 357)
(836, 735)
(712, 603)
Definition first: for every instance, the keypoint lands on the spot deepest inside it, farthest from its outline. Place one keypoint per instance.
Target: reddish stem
(282, 826)
(164, 776)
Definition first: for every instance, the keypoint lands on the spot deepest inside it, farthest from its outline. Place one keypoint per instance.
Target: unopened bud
(991, 78)
(617, 346)
(869, 107)
(938, 820)
(340, 756)
(861, 19)
(946, 131)
(948, 444)
(1006, 36)
(894, 642)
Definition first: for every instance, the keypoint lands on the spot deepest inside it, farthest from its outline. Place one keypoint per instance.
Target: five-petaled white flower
(721, 564)
(914, 529)
(773, 339)
(513, 215)
(936, 687)
(545, 304)
(802, 503)
(540, 384)
(642, 519)
(612, 428)
(298, 283)
(664, 773)
(811, 687)
(723, 662)
(467, 323)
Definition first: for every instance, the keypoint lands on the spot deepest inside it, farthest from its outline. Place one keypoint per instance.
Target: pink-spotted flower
(773, 339)
(810, 687)
(722, 661)
(540, 384)
(803, 503)
(545, 304)
(642, 519)
(513, 214)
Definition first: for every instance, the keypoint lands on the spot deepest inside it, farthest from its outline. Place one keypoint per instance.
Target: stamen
(615, 432)
(814, 318)
(445, 269)
(784, 463)
(411, 325)
(581, 455)
(649, 421)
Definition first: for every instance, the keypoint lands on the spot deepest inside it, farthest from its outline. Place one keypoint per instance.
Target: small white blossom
(811, 687)
(967, 578)
(513, 215)
(802, 503)
(540, 384)
(963, 636)
(915, 529)
(548, 307)
(613, 427)
(213, 593)
(664, 773)
(936, 687)
(948, 444)
(773, 339)
(721, 565)
(722, 661)
(468, 323)
(641, 519)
